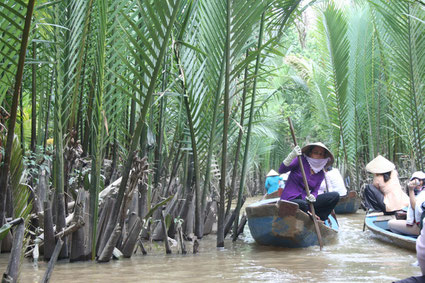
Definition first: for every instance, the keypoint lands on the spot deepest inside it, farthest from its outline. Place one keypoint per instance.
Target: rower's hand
(294, 153)
(310, 198)
(297, 150)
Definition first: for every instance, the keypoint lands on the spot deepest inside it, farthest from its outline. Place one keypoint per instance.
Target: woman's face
(317, 152)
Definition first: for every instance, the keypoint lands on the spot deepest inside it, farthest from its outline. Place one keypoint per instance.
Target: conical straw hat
(272, 173)
(380, 165)
(329, 154)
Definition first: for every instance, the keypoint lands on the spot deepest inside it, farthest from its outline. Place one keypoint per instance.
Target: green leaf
(158, 205)
(4, 230)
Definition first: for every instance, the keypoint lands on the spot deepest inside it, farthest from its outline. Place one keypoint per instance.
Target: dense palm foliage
(366, 88)
(202, 89)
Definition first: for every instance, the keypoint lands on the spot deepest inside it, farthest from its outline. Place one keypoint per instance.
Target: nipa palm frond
(340, 103)
(12, 18)
(406, 50)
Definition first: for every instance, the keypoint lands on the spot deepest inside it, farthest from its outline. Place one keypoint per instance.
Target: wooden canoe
(275, 222)
(275, 194)
(348, 203)
(378, 224)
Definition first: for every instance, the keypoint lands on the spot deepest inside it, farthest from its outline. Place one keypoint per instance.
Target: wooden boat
(378, 224)
(278, 222)
(275, 194)
(348, 203)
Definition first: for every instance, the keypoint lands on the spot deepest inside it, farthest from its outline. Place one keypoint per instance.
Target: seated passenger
(410, 226)
(385, 193)
(333, 182)
(420, 255)
(272, 182)
(314, 157)
(283, 181)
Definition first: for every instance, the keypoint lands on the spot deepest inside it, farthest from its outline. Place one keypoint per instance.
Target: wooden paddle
(307, 189)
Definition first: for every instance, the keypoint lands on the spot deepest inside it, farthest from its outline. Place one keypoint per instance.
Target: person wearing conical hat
(272, 181)
(410, 225)
(385, 193)
(315, 157)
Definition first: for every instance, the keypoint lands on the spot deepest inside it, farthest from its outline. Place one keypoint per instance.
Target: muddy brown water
(357, 256)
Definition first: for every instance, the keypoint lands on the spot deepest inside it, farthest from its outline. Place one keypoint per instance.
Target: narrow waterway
(356, 257)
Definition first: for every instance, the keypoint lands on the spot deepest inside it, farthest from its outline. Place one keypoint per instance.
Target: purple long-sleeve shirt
(294, 186)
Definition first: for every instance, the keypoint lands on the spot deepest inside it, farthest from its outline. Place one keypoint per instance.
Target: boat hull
(275, 222)
(348, 204)
(378, 224)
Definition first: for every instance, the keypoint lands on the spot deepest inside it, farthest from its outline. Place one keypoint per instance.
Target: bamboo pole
(307, 189)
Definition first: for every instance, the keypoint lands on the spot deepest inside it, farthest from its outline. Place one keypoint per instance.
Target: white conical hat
(272, 173)
(329, 154)
(380, 165)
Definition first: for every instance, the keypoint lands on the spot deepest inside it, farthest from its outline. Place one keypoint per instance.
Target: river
(356, 257)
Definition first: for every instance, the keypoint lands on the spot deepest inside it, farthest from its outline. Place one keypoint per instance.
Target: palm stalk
(405, 47)
(161, 8)
(13, 113)
(220, 226)
(84, 14)
(340, 104)
(248, 134)
(213, 24)
(34, 99)
(239, 141)
(98, 129)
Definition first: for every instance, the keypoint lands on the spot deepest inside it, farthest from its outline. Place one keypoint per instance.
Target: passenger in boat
(420, 248)
(272, 181)
(333, 182)
(385, 193)
(314, 156)
(283, 181)
(420, 255)
(410, 225)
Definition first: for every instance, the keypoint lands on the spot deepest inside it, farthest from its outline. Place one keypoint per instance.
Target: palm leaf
(405, 48)
(158, 20)
(340, 104)
(12, 17)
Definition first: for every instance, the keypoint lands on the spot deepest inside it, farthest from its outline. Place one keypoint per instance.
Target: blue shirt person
(272, 181)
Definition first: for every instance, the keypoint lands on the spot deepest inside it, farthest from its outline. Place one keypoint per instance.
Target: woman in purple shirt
(315, 157)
